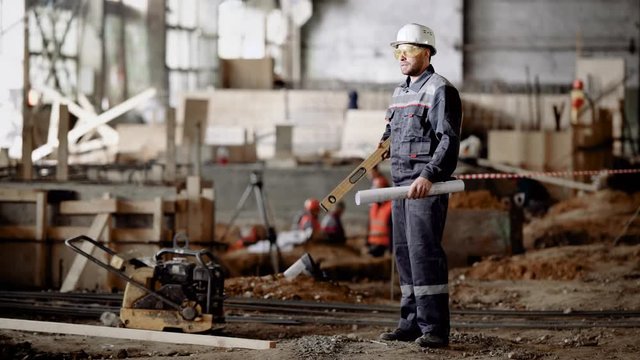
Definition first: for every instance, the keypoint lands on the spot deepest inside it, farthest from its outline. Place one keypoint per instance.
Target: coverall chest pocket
(415, 124)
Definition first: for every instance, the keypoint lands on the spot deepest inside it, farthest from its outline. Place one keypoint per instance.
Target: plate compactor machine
(179, 289)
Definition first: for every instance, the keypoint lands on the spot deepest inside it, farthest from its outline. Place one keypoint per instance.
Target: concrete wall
(285, 189)
(347, 42)
(503, 37)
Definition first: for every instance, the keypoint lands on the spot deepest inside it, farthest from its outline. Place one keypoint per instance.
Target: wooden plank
(90, 121)
(27, 143)
(71, 280)
(61, 233)
(18, 232)
(194, 208)
(170, 167)
(40, 235)
(247, 73)
(118, 235)
(54, 121)
(41, 216)
(62, 167)
(96, 206)
(209, 214)
(135, 335)
(195, 116)
(111, 114)
(143, 235)
(18, 195)
(144, 207)
(158, 215)
(182, 211)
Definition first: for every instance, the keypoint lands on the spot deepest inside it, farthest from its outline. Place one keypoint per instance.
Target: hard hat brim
(396, 43)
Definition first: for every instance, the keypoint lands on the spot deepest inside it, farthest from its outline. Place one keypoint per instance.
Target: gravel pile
(322, 347)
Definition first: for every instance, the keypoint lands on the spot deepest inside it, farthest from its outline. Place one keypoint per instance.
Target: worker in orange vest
(379, 232)
(577, 101)
(309, 218)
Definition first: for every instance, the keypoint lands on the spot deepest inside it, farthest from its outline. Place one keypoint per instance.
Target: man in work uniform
(424, 121)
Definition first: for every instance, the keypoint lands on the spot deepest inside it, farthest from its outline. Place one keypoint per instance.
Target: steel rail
(317, 308)
(327, 318)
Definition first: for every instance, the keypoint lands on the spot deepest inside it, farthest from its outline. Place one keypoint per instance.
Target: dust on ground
(558, 272)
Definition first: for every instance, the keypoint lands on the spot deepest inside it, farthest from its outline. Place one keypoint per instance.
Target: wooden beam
(141, 235)
(144, 207)
(209, 213)
(134, 334)
(71, 280)
(158, 215)
(194, 209)
(96, 206)
(62, 167)
(111, 114)
(40, 235)
(170, 166)
(61, 233)
(18, 195)
(27, 144)
(18, 232)
(27, 130)
(92, 121)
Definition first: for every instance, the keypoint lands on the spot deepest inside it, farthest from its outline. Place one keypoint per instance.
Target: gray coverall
(424, 121)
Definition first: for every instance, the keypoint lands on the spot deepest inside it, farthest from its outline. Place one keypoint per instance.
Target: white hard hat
(416, 34)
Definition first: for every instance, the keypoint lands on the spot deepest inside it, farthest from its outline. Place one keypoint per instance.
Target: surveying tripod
(255, 187)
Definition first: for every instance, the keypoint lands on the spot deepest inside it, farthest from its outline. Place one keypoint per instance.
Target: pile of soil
(603, 216)
(561, 263)
(299, 288)
(481, 199)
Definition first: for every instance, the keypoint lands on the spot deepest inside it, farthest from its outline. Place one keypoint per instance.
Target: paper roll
(400, 192)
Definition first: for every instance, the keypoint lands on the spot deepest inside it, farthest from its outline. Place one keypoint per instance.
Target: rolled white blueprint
(400, 192)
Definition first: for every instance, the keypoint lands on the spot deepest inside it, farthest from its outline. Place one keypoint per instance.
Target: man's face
(413, 59)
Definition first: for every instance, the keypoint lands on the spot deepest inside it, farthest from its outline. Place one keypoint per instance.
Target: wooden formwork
(44, 260)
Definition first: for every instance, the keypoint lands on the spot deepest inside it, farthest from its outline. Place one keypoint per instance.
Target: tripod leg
(236, 212)
(274, 251)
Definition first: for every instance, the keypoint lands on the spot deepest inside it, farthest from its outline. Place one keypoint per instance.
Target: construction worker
(331, 225)
(249, 236)
(424, 121)
(577, 101)
(309, 217)
(379, 230)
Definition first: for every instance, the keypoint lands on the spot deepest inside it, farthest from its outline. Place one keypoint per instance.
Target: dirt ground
(584, 254)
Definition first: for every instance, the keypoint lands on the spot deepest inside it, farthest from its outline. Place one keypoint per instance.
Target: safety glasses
(406, 50)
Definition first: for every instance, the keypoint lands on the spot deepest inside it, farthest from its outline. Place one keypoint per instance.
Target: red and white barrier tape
(544, 174)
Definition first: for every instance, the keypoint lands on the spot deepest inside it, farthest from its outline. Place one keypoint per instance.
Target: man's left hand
(419, 188)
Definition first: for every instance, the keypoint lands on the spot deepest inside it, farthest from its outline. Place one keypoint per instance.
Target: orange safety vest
(306, 218)
(379, 231)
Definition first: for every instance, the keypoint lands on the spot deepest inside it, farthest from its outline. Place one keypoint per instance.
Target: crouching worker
(308, 219)
(249, 236)
(331, 225)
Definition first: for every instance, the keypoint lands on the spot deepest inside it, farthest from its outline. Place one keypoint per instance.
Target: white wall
(347, 42)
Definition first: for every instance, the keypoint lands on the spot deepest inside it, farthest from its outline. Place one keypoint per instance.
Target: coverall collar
(417, 85)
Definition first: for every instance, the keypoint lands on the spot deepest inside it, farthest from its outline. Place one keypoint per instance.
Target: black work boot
(432, 341)
(400, 335)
